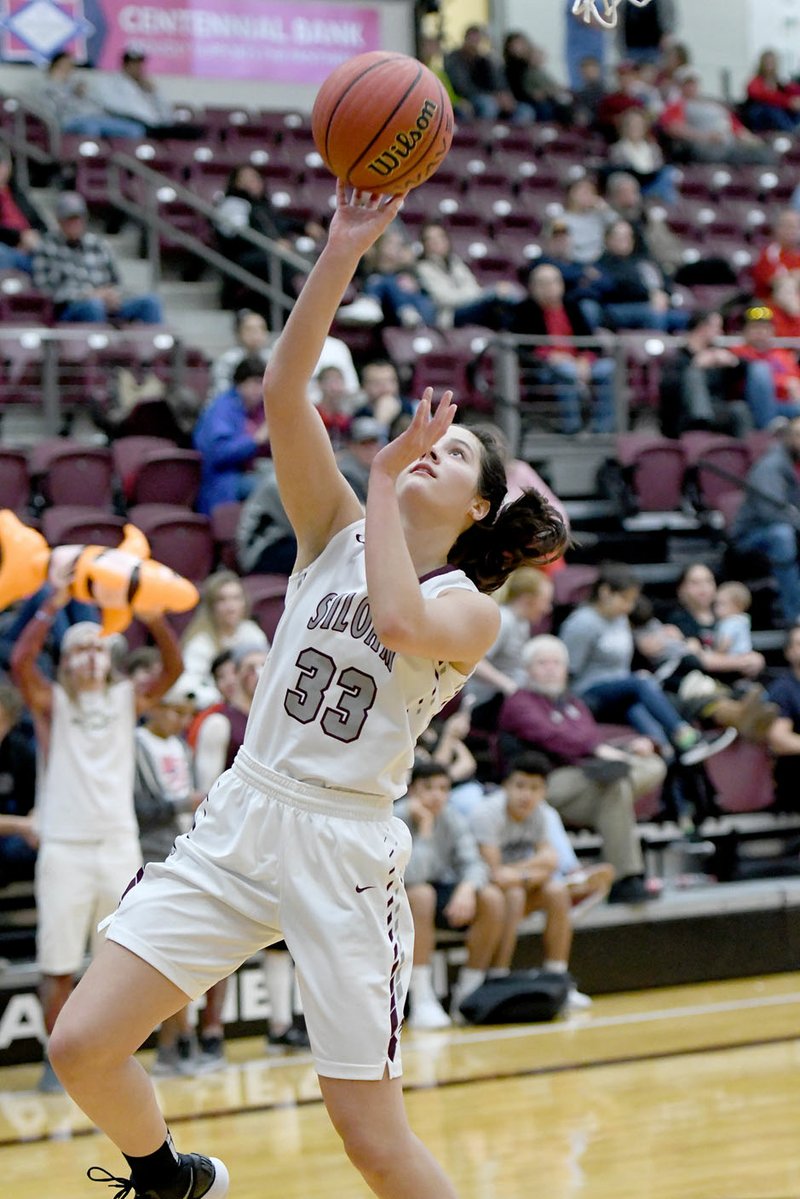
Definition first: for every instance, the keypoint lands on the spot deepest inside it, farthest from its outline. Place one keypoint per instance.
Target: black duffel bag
(522, 997)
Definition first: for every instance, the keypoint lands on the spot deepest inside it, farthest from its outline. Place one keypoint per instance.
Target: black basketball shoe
(208, 1180)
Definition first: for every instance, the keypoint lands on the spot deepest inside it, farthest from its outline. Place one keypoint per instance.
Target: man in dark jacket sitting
(769, 518)
(572, 371)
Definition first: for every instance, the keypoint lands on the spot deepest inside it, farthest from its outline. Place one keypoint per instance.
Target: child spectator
(448, 886)
(512, 833)
(164, 794)
(731, 605)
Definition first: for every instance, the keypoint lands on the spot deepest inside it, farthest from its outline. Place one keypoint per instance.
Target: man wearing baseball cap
(77, 268)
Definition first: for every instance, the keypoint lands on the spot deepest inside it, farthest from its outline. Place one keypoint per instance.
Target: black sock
(158, 1170)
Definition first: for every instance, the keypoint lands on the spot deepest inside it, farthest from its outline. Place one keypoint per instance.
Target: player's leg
(370, 1117)
(111, 1012)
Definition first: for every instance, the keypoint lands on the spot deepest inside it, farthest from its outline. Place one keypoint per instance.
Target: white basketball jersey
(333, 707)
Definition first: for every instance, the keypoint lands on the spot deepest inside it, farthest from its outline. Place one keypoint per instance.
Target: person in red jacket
(771, 103)
(784, 369)
(782, 255)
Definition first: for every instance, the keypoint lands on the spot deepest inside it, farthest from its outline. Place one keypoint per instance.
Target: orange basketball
(382, 122)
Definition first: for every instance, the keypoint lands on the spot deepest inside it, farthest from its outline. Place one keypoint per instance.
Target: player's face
(448, 474)
(523, 793)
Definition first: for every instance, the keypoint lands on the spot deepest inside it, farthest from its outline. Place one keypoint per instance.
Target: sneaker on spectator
(180, 1058)
(576, 1000)
(291, 1038)
(364, 310)
(707, 745)
(212, 1055)
(428, 1013)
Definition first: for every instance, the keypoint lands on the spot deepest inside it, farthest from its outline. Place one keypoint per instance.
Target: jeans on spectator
(105, 126)
(12, 259)
(636, 700)
(17, 860)
(640, 315)
(582, 41)
(662, 186)
(763, 118)
(759, 392)
(779, 542)
(489, 310)
(487, 109)
(563, 376)
(146, 309)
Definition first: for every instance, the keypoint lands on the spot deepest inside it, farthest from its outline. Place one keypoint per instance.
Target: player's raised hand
(426, 428)
(361, 217)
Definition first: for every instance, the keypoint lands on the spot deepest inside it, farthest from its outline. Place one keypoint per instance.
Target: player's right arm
(318, 500)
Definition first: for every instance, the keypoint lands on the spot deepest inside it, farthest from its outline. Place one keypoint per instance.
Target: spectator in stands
(588, 90)
(479, 81)
(164, 795)
(599, 642)
(265, 540)
(78, 270)
(645, 32)
(695, 617)
(447, 883)
(653, 235)
(583, 41)
(444, 741)
(87, 824)
(247, 205)
(588, 216)
(772, 103)
(335, 403)
(230, 434)
(768, 520)
(220, 622)
(380, 393)
(458, 296)
(706, 386)
(702, 129)
(253, 340)
(365, 438)
(785, 735)
(781, 256)
(631, 289)
(431, 54)
(638, 153)
(628, 94)
(68, 101)
(773, 387)
(223, 672)
(785, 304)
(13, 620)
(133, 95)
(674, 56)
(594, 784)
(530, 83)
(527, 600)
(570, 370)
(21, 226)
(558, 251)
(512, 829)
(733, 633)
(17, 789)
(394, 283)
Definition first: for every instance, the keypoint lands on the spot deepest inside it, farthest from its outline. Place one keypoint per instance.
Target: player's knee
(370, 1150)
(73, 1047)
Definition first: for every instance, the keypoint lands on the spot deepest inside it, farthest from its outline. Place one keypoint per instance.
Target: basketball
(382, 122)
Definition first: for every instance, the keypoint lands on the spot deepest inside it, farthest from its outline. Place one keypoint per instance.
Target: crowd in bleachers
(644, 220)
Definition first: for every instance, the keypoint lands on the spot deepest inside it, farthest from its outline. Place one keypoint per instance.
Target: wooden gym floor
(679, 1093)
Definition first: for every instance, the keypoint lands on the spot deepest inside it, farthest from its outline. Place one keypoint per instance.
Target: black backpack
(523, 997)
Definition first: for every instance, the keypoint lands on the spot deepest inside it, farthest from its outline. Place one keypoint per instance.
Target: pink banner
(239, 39)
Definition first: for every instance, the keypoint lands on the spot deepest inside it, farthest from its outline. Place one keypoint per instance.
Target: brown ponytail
(527, 532)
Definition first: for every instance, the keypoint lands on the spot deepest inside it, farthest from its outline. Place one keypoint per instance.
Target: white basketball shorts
(271, 858)
(78, 883)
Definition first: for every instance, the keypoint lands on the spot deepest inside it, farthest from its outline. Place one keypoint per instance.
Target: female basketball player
(384, 620)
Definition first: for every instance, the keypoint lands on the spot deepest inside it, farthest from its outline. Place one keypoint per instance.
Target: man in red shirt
(776, 393)
(571, 371)
(704, 130)
(781, 257)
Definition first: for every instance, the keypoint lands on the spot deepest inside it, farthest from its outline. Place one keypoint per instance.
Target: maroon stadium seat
(728, 453)
(266, 594)
(76, 524)
(68, 472)
(167, 476)
(14, 482)
(224, 525)
(655, 467)
(128, 454)
(178, 538)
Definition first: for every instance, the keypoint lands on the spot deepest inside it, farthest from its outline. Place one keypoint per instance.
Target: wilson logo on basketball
(404, 143)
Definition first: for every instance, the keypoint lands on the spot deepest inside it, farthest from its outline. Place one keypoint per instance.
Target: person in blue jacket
(230, 434)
